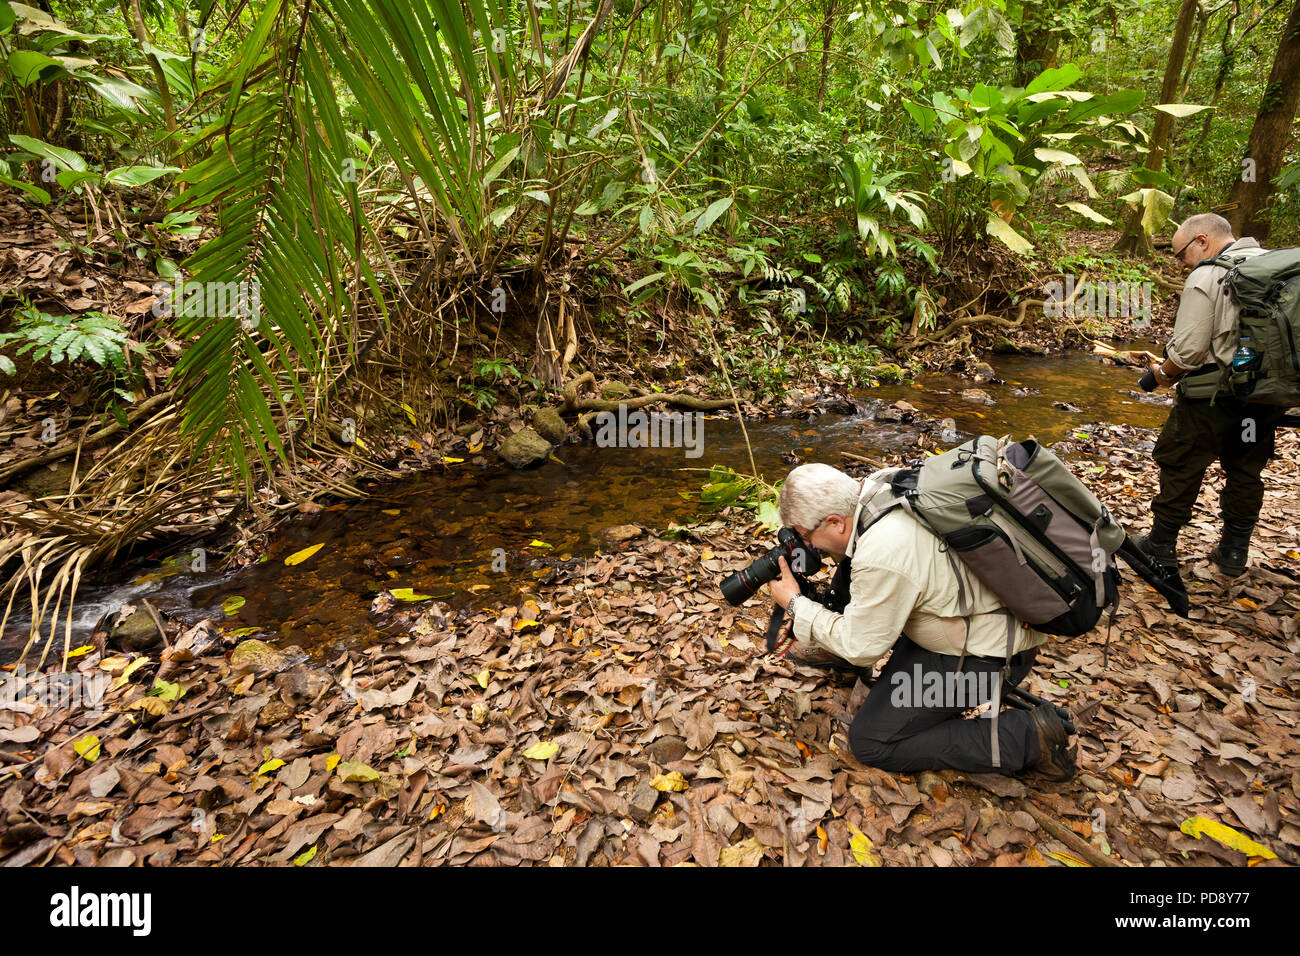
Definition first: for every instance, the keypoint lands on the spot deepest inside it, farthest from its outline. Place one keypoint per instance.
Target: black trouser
(1236, 434)
(897, 731)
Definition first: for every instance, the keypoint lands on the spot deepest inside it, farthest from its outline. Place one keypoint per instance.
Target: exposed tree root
(572, 403)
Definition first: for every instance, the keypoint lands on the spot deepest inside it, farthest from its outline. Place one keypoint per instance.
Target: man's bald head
(1200, 237)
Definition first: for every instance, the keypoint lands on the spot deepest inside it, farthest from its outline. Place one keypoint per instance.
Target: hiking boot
(1160, 544)
(1056, 762)
(1233, 547)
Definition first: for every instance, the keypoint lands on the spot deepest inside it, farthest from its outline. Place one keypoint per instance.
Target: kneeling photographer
(948, 633)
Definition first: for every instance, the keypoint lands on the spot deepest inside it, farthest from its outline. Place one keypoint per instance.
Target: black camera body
(739, 586)
(804, 561)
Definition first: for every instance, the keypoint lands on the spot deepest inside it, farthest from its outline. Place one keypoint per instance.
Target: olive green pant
(1237, 434)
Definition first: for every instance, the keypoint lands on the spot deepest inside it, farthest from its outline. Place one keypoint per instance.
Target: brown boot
(1056, 761)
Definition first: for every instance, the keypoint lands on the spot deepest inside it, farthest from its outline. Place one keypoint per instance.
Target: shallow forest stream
(431, 535)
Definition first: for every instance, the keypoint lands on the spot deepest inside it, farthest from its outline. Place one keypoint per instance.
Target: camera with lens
(804, 561)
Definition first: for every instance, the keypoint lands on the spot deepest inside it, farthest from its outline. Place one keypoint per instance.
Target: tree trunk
(1036, 43)
(1135, 238)
(1270, 136)
(828, 25)
(720, 84)
(136, 19)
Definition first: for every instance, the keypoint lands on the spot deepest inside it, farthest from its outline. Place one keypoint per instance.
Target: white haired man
(1206, 424)
(904, 597)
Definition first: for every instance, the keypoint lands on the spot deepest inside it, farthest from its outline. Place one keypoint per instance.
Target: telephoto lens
(739, 586)
(1148, 381)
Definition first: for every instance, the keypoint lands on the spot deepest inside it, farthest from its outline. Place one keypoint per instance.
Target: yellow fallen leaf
(131, 668)
(475, 449)
(745, 853)
(242, 631)
(670, 782)
(1293, 554)
(440, 808)
(79, 651)
(216, 837)
(1233, 840)
(1034, 858)
(303, 859)
(298, 557)
(525, 622)
(88, 747)
(536, 543)
(270, 765)
(448, 460)
(392, 512)
(414, 445)
(1061, 856)
(154, 706)
(231, 605)
(410, 412)
(482, 678)
(332, 761)
(407, 594)
(1248, 604)
(542, 750)
(352, 772)
(862, 847)
(822, 839)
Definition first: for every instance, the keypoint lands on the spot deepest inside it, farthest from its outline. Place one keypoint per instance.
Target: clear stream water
(447, 536)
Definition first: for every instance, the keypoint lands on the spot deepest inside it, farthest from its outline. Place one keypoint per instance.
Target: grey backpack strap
(1098, 576)
(997, 691)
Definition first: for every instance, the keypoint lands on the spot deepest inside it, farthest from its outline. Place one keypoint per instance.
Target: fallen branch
(984, 318)
(572, 403)
(1067, 836)
(63, 451)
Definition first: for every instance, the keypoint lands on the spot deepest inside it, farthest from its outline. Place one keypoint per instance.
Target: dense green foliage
(813, 170)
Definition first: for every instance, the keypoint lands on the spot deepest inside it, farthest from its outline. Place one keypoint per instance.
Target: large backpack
(1016, 516)
(1266, 289)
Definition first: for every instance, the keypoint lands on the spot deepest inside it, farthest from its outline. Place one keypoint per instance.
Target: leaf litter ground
(626, 715)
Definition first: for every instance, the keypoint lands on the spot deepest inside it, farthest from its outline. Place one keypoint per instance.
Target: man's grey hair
(811, 492)
(1212, 224)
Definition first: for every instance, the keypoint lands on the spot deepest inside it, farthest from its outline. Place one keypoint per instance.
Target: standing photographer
(905, 596)
(1207, 424)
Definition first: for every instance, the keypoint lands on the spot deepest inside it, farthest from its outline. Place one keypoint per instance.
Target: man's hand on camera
(785, 587)
(1167, 372)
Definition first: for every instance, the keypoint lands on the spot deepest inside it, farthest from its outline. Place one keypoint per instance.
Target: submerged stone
(524, 448)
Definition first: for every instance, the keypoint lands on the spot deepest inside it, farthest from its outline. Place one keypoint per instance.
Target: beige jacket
(1205, 329)
(901, 582)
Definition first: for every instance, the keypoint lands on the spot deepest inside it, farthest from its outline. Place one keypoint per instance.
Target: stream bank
(611, 710)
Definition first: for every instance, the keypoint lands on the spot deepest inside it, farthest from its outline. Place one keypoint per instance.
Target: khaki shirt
(901, 582)
(1205, 329)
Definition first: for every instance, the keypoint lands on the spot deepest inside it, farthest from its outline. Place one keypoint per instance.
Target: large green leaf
(1180, 110)
(1012, 239)
(64, 158)
(710, 215)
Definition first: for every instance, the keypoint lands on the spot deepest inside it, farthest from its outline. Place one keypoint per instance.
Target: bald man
(1207, 424)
